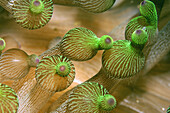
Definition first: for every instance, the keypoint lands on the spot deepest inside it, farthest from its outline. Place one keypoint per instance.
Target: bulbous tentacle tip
(139, 38)
(148, 10)
(122, 60)
(2, 44)
(105, 42)
(107, 102)
(52, 71)
(32, 14)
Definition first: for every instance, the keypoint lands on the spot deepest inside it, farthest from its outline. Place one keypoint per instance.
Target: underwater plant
(8, 99)
(15, 64)
(94, 6)
(30, 14)
(53, 74)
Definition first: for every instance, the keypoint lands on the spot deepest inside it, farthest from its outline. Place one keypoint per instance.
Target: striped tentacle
(136, 23)
(79, 44)
(48, 76)
(14, 64)
(8, 99)
(147, 21)
(28, 14)
(122, 60)
(88, 97)
(148, 10)
(95, 6)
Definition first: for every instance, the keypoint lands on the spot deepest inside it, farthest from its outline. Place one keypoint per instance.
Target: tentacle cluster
(125, 58)
(148, 20)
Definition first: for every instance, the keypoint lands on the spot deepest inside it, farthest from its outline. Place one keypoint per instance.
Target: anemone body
(8, 99)
(90, 97)
(32, 14)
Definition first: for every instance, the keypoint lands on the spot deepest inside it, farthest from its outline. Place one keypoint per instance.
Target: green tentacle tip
(8, 99)
(139, 38)
(32, 14)
(148, 10)
(105, 42)
(168, 110)
(36, 6)
(107, 102)
(55, 73)
(63, 69)
(2, 44)
(90, 97)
